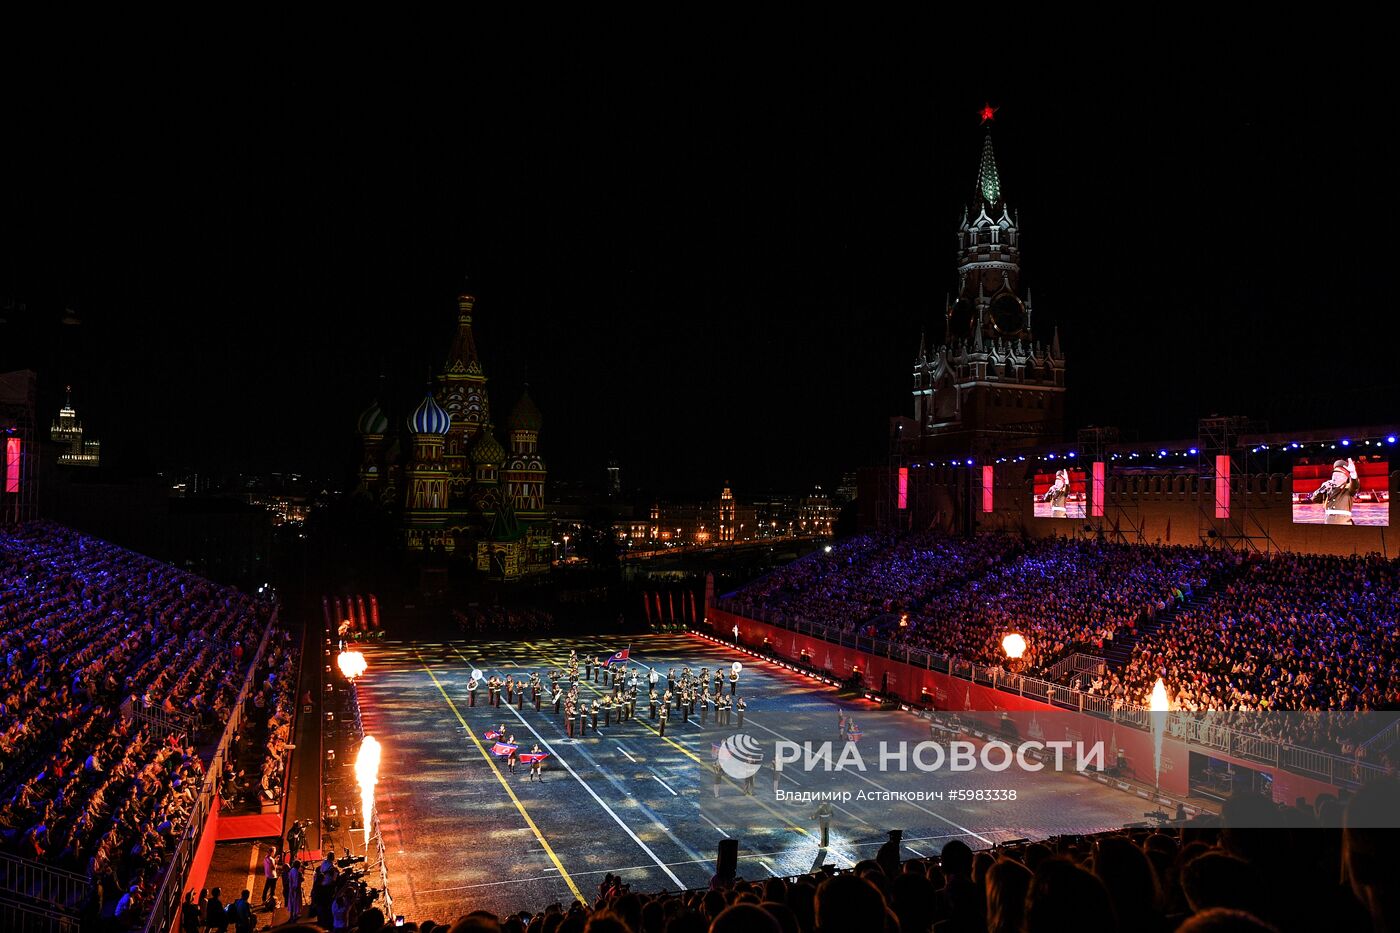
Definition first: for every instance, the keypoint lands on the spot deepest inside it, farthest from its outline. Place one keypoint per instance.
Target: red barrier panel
(1130, 749)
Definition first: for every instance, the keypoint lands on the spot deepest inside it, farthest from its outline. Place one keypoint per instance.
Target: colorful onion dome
(372, 421)
(486, 449)
(429, 418)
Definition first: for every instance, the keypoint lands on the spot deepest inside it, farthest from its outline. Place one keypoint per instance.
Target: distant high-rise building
(68, 431)
(614, 479)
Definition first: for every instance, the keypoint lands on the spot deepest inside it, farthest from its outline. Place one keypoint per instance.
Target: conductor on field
(823, 816)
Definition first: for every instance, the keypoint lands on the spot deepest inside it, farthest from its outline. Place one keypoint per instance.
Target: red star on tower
(988, 113)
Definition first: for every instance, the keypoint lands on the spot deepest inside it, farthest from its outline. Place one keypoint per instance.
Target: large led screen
(1341, 491)
(1062, 494)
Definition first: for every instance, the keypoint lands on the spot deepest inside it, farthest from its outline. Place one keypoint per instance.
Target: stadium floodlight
(1014, 645)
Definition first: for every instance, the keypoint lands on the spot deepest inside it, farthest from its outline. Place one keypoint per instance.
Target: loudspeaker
(727, 861)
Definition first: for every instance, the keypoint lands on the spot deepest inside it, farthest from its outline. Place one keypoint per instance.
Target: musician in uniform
(510, 690)
(740, 705)
(558, 698)
(704, 701)
(569, 719)
(665, 713)
(1338, 492)
(733, 681)
(1057, 493)
(471, 691)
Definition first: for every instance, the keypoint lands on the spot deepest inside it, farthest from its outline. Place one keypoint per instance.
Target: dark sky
(710, 269)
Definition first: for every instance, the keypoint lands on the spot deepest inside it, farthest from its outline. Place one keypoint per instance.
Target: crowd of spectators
(867, 576)
(1291, 632)
(1062, 595)
(255, 768)
(91, 637)
(1271, 869)
(958, 597)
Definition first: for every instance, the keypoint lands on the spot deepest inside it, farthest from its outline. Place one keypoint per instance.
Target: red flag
(503, 749)
(529, 758)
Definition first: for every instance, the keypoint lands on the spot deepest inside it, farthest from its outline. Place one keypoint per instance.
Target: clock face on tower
(1008, 315)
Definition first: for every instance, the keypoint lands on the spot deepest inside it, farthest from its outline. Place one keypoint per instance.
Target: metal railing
(1206, 729)
(166, 904)
(163, 722)
(44, 885)
(30, 918)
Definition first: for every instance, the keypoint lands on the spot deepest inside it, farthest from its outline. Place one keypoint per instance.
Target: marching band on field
(619, 685)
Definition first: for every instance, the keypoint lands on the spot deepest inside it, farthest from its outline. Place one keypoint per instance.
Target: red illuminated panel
(904, 487)
(987, 474)
(1096, 503)
(12, 450)
(1222, 486)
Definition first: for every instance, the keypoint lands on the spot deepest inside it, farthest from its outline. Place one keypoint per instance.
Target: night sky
(708, 270)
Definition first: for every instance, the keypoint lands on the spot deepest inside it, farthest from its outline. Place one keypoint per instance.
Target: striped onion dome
(372, 421)
(429, 418)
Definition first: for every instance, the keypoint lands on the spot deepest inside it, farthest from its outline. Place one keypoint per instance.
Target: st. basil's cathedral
(451, 485)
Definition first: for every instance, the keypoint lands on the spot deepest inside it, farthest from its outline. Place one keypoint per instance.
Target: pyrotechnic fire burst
(352, 664)
(367, 773)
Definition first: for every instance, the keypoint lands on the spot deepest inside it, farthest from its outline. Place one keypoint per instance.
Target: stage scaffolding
(1218, 444)
(1116, 523)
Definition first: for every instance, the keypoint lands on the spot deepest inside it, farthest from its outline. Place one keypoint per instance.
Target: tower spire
(988, 182)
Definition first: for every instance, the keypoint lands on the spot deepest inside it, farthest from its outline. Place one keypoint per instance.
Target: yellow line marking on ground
(504, 783)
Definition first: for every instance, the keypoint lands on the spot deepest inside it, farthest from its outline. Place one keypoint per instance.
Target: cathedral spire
(462, 357)
(988, 182)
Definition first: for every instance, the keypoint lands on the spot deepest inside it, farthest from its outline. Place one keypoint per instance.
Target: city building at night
(67, 431)
(455, 489)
